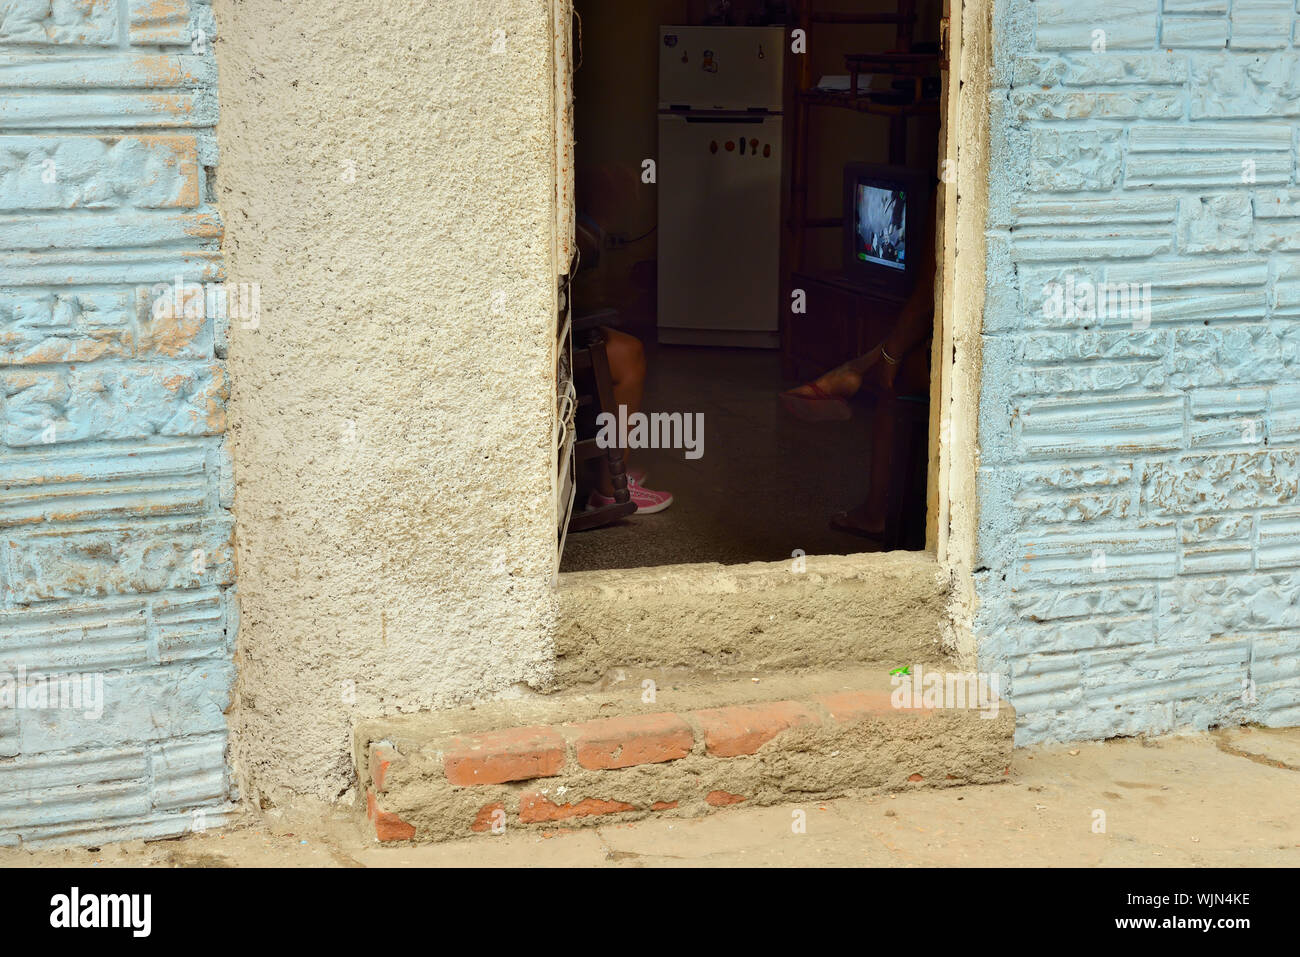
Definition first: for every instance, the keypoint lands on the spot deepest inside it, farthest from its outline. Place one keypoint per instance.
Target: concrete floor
(1226, 798)
(766, 485)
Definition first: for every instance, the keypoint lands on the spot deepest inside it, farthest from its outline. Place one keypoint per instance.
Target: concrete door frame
(952, 508)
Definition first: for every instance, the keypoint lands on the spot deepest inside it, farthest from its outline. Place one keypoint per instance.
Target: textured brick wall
(115, 533)
(1139, 523)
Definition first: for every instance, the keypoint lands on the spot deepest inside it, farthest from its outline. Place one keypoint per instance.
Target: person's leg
(627, 369)
(913, 379)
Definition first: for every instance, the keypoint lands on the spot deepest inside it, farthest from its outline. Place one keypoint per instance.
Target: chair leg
(605, 395)
(897, 490)
(901, 499)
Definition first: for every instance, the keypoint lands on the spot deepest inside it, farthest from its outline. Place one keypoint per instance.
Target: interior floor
(766, 485)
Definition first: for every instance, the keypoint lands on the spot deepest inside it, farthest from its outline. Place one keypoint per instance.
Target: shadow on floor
(766, 485)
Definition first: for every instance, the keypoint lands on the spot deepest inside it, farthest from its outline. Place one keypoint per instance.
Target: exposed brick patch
(846, 706)
(744, 729)
(723, 798)
(483, 820)
(623, 742)
(388, 827)
(515, 754)
(534, 808)
(688, 761)
(380, 760)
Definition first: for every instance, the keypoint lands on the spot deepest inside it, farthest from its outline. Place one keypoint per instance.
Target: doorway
(731, 310)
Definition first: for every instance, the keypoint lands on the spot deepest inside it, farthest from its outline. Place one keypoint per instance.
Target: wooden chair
(595, 388)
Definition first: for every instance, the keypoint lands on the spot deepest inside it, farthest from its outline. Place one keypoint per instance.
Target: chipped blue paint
(1139, 535)
(116, 556)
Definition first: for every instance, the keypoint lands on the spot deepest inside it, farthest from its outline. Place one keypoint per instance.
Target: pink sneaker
(647, 502)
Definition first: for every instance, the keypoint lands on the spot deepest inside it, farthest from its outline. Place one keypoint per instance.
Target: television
(885, 221)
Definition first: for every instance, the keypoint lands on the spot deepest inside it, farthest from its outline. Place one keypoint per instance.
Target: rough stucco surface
(389, 180)
(1139, 531)
(116, 558)
(837, 609)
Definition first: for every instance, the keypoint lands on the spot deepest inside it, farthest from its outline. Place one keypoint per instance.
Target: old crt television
(885, 210)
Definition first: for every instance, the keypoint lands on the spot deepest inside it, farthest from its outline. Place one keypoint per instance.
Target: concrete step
(677, 743)
(820, 611)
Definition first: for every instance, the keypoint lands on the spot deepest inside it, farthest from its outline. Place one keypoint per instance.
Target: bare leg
(627, 368)
(913, 379)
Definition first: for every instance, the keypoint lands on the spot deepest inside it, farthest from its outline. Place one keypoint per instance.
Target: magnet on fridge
(730, 146)
(710, 65)
(761, 54)
(753, 146)
(742, 146)
(713, 147)
(767, 149)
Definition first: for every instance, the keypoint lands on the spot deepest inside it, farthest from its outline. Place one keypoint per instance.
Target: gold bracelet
(892, 361)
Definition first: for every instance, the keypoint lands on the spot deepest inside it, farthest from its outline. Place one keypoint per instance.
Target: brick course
(517, 754)
(574, 772)
(636, 739)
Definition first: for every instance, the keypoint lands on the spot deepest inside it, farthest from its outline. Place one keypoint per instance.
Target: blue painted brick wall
(1139, 563)
(116, 553)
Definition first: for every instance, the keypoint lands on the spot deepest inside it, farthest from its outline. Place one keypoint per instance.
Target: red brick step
(688, 748)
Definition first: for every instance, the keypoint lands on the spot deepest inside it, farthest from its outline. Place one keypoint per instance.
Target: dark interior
(767, 483)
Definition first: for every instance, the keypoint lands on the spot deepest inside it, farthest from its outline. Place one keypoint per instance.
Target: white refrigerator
(719, 185)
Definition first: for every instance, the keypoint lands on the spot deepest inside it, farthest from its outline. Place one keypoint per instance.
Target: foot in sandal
(824, 399)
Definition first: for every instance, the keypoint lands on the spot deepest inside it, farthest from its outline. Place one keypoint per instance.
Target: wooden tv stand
(844, 319)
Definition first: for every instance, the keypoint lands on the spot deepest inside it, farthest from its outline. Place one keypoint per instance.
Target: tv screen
(886, 209)
(880, 225)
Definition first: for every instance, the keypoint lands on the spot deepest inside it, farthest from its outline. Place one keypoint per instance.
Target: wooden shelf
(846, 318)
(863, 103)
(893, 64)
(861, 19)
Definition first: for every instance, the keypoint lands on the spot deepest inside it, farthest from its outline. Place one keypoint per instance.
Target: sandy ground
(1228, 798)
